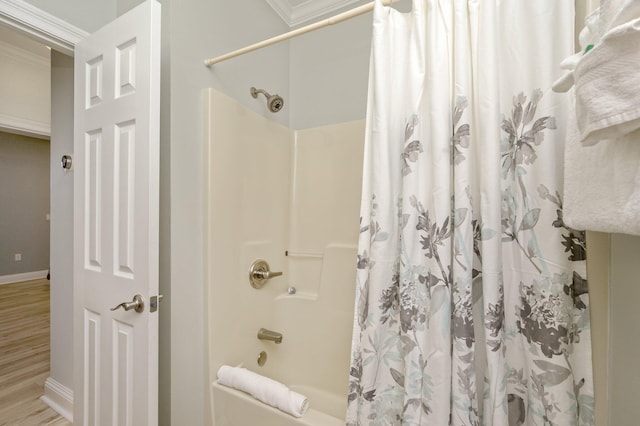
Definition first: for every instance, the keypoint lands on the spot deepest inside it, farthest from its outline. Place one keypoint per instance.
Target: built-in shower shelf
(309, 254)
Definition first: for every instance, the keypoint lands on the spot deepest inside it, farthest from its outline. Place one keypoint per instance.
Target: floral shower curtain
(471, 303)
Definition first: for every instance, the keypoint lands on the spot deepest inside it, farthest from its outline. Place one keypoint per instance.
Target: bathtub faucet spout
(274, 336)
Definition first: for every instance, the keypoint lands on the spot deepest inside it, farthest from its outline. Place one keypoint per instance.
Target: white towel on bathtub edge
(264, 389)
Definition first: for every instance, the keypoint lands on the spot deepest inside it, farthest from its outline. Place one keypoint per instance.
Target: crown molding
(44, 27)
(24, 126)
(296, 13)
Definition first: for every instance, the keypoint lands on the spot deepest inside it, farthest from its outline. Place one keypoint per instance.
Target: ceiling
(297, 12)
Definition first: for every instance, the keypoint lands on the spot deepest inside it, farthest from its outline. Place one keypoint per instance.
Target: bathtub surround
(472, 303)
(293, 202)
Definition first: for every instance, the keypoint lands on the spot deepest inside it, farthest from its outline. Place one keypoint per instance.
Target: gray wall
(624, 333)
(88, 15)
(200, 29)
(61, 292)
(24, 203)
(164, 375)
(329, 71)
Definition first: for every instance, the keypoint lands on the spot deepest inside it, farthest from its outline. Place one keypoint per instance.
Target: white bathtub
(236, 408)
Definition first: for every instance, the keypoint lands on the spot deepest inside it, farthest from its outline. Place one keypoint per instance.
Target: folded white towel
(607, 81)
(602, 183)
(264, 389)
(595, 25)
(566, 81)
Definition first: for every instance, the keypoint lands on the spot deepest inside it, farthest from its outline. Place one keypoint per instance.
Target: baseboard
(58, 397)
(25, 276)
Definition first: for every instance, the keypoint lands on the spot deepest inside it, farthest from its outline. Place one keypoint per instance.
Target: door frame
(40, 25)
(62, 37)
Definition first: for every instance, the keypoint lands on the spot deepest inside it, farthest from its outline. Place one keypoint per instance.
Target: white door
(116, 160)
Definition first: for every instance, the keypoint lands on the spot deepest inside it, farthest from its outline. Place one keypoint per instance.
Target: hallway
(24, 354)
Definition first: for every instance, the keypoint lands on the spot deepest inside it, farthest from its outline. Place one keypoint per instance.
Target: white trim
(294, 15)
(24, 126)
(311, 10)
(30, 61)
(58, 397)
(283, 8)
(50, 30)
(25, 276)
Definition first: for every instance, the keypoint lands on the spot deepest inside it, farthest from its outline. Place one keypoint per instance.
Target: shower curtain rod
(356, 11)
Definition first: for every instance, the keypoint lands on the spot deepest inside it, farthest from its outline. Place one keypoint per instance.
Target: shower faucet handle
(260, 273)
(266, 274)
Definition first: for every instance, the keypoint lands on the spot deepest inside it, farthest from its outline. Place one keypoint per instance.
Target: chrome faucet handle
(265, 275)
(259, 273)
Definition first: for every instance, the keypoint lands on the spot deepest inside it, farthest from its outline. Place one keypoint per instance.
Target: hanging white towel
(602, 183)
(264, 389)
(596, 25)
(607, 81)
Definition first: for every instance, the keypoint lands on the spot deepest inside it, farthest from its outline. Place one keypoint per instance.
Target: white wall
(24, 85)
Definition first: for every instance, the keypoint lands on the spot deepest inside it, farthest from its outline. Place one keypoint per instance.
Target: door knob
(66, 162)
(136, 304)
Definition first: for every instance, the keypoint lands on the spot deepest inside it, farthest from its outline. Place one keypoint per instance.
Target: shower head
(274, 102)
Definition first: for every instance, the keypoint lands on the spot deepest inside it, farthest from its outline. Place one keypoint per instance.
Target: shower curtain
(471, 299)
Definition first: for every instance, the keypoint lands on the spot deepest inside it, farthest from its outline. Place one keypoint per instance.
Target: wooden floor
(24, 354)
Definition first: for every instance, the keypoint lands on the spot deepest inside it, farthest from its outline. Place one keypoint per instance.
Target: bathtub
(236, 408)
